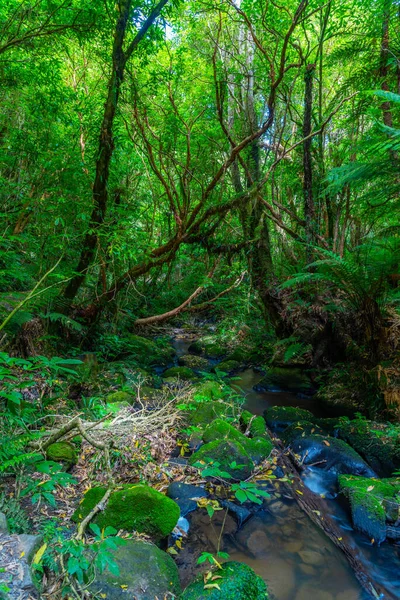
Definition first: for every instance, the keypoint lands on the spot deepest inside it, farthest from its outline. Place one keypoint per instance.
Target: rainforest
(199, 299)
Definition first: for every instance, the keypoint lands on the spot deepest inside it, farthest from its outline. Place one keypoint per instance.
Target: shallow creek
(279, 542)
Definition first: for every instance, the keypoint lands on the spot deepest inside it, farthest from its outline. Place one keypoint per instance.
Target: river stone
(278, 379)
(311, 557)
(3, 523)
(308, 591)
(145, 573)
(333, 454)
(241, 513)
(281, 578)
(197, 363)
(17, 552)
(238, 582)
(185, 495)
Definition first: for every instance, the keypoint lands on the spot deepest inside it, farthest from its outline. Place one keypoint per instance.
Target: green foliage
(17, 519)
(247, 491)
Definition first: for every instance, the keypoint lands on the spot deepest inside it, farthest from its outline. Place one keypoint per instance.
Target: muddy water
(279, 542)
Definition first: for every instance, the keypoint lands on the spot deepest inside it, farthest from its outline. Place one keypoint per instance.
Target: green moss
(280, 417)
(368, 502)
(213, 349)
(117, 406)
(209, 390)
(133, 508)
(206, 412)
(227, 366)
(238, 582)
(378, 443)
(300, 429)
(150, 353)
(119, 397)
(196, 347)
(258, 427)
(240, 354)
(198, 363)
(225, 452)
(258, 448)
(181, 372)
(62, 452)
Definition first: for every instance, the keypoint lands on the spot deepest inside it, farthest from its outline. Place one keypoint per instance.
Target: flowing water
(280, 542)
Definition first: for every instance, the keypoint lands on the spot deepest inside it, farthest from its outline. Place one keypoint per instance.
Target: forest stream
(279, 541)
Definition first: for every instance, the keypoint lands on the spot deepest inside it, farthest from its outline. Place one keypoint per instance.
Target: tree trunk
(309, 208)
(106, 142)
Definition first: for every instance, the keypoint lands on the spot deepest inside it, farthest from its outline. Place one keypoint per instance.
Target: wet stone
(310, 557)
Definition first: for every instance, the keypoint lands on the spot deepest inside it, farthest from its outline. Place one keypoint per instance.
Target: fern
(296, 351)
(16, 517)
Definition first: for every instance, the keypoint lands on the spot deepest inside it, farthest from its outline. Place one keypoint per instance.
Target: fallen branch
(204, 305)
(100, 506)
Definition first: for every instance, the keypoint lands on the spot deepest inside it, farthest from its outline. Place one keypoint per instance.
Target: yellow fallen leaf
(340, 539)
(326, 443)
(22, 554)
(39, 554)
(370, 488)
(124, 586)
(103, 595)
(299, 492)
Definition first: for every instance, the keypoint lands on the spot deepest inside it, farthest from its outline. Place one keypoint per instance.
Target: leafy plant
(247, 491)
(44, 490)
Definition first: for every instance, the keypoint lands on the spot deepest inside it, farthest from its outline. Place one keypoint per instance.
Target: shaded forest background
(229, 160)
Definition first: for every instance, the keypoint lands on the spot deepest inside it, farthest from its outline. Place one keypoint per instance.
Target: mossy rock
(369, 499)
(196, 347)
(115, 407)
(208, 390)
(197, 363)
(132, 508)
(225, 452)
(214, 349)
(378, 443)
(237, 582)
(279, 379)
(227, 366)
(180, 372)
(145, 572)
(258, 427)
(280, 417)
(258, 448)
(206, 412)
(240, 354)
(300, 429)
(150, 353)
(332, 454)
(63, 452)
(329, 424)
(120, 397)
(148, 393)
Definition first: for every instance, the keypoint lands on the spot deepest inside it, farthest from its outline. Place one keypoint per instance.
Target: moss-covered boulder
(280, 417)
(213, 349)
(197, 363)
(331, 454)
(236, 581)
(279, 379)
(300, 429)
(241, 354)
(145, 572)
(63, 452)
(132, 508)
(373, 502)
(208, 390)
(378, 443)
(120, 397)
(180, 372)
(227, 366)
(256, 425)
(150, 353)
(115, 407)
(225, 453)
(196, 347)
(257, 448)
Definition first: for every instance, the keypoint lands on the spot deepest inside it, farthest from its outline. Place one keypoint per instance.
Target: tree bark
(309, 208)
(106, 141)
